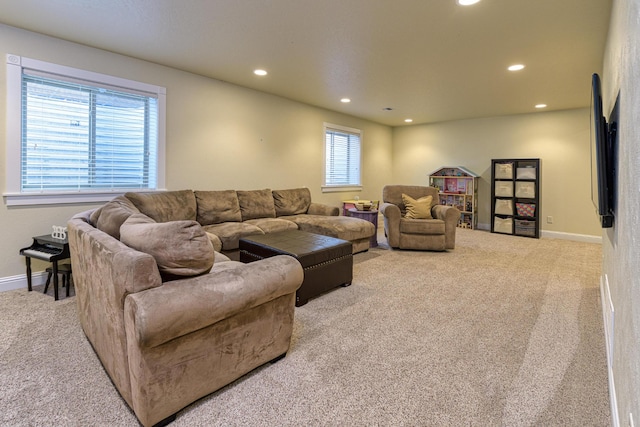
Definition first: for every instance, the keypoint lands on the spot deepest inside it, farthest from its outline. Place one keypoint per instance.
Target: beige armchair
(402, 232)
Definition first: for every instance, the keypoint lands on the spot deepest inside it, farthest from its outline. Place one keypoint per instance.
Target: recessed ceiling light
(260, 72)
(541, 105)
(408, 120)
(515, 67)
(345, 100)
(467, 2)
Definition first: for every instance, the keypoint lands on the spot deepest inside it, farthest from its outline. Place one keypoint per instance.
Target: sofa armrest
(450, 215)
(183, 306)
(389, 210)
(391, 215)
(322, 209)
(99, 259)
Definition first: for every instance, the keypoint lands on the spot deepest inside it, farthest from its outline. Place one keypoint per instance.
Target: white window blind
(78, 136)
(342, 155)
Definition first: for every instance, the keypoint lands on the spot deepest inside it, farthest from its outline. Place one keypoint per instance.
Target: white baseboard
(585, 238)
(608, 317)
(20, 282)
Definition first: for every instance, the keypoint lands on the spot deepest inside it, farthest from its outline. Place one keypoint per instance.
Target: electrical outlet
(549, 219)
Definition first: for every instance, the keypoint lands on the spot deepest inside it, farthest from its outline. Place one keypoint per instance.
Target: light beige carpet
(501, 331)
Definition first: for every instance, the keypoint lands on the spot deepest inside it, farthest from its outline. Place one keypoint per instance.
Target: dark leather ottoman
(327, 261)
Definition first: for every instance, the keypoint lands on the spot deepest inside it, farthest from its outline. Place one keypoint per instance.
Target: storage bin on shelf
(525, 227)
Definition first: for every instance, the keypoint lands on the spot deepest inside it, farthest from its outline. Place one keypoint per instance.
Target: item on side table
(363, 206)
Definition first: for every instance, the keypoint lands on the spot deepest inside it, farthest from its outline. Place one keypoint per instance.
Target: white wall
(621, 244)
(219, 136)
(560, 139)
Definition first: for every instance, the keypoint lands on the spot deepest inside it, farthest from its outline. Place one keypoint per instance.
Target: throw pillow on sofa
(180, 248)
(417, 209)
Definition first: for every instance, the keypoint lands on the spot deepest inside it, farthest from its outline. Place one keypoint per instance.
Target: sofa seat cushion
(256, 204)
(180, 248)
(230, 233)
(435, 242)
(272, 225)
(341, 227)
(292, 202)
(215, 207)
(421, 226)
(166, 206)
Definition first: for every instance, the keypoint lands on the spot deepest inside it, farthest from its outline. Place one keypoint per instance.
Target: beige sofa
(229, 215)
(165, 344)
(436, 231)
(171, 318)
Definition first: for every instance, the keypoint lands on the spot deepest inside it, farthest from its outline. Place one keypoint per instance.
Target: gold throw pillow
(418, 209)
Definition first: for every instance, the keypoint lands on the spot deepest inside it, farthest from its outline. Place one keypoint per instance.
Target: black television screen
(602, 172)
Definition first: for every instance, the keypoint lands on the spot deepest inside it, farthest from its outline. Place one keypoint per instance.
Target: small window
(342, 158)
(81, 134)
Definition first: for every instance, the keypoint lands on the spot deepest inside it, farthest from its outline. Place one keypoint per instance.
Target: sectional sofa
(170, 316)
(228, 215)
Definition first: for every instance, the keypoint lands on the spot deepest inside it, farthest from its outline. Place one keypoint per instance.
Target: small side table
(372, 217)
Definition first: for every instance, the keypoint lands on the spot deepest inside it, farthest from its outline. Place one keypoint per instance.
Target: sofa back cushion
(110, 216)
(256, 204)
(292, 201)
(180, 248)
(166, 206)
(215, 207)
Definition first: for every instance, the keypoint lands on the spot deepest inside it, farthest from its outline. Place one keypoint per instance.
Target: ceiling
(428, 60)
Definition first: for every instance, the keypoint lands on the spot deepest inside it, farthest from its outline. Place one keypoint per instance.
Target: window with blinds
(77, 137)
(342, 157)
(80, 132)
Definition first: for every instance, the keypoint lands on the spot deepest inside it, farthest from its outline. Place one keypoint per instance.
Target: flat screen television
(603, 139)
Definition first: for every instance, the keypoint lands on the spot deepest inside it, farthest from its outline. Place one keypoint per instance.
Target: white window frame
(339, 188)
(13, 195)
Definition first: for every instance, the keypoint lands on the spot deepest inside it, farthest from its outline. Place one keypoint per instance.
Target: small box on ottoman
(327, 261)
